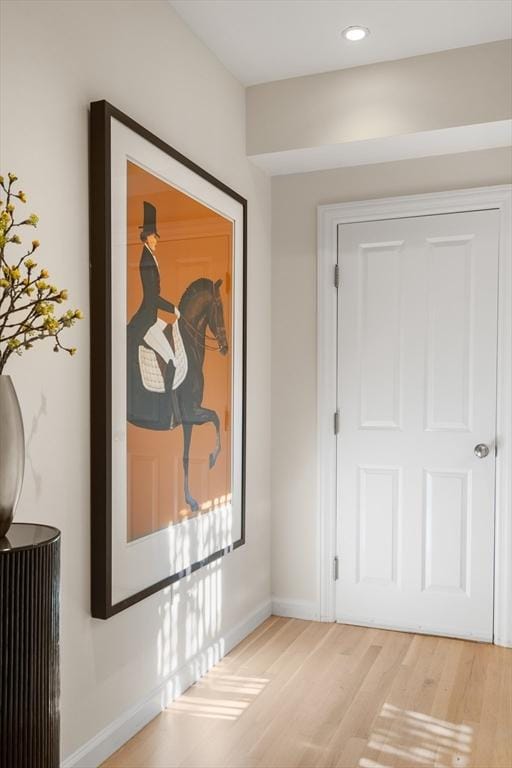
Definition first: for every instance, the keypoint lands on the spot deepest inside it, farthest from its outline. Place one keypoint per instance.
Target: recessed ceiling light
(356, 33)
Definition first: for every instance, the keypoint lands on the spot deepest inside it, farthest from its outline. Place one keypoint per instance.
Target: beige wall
(56, 57)
(459, 87)
(294, 202)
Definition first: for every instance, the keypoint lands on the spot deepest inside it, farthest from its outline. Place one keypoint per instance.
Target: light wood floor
(302, 694)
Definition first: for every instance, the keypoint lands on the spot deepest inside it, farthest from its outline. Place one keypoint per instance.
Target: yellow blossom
(51, 324)
(33, 283)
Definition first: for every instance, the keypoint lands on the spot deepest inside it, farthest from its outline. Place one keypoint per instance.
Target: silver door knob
(481, 450)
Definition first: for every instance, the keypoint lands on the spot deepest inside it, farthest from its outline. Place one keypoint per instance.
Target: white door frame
(329, 218)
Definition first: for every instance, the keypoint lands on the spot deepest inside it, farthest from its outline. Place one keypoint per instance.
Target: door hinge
(336, 569)
(336, 422)
(336, 276)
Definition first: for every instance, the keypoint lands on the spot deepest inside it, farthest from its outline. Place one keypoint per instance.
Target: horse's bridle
(221, 328)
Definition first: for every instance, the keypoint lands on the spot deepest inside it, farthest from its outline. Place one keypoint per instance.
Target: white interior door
(417, 346)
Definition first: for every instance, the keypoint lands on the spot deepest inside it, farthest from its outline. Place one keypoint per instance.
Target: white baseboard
(117, 733)
(295, 609)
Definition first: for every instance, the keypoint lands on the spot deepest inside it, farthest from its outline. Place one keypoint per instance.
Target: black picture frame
(101, 115)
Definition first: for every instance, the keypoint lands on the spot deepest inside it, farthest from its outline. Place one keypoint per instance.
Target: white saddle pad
(149, 370)
(180, 358)
(151, 375)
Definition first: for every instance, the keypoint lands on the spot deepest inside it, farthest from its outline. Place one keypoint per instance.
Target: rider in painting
(150, 356)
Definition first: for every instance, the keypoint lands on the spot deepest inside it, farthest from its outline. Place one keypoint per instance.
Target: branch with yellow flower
(28, 301)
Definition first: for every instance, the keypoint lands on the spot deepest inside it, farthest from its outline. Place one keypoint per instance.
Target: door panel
(380, 336)
(445, 532)
(378, 524)
(449, 332)
(417, 391)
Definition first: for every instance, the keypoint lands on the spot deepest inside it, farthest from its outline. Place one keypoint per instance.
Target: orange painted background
(194, 242)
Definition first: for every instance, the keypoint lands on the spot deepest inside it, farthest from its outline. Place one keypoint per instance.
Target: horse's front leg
(206, 416)
(187, 435)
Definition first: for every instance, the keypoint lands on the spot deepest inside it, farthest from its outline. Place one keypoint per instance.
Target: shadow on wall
(36, 475)
(190, 611)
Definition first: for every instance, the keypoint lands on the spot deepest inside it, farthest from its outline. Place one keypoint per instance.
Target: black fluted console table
(29, 647)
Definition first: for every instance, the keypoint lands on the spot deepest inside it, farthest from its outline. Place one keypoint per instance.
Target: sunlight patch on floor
(210, 703)
(418, 739)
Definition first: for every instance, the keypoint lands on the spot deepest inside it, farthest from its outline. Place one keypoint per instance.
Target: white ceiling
(263, 40)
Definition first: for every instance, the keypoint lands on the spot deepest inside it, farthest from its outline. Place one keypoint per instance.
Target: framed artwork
(168, 318)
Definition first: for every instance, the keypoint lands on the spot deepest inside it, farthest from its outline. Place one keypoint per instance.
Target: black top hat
(149, 226)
